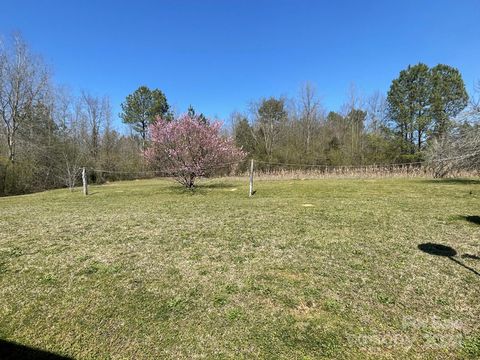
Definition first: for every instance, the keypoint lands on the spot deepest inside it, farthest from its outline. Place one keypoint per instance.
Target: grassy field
(303, 270)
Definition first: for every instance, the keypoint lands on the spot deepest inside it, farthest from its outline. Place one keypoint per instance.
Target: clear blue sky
(220, 55)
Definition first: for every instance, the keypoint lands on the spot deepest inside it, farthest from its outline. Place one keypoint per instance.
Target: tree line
(48, 134)
(423, 105)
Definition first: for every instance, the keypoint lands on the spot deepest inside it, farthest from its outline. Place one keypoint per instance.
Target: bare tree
(24, 82)
(376, 108)
(310, 110)
(460, 151)
(354, 115)
(270, 118)
(354, 100)
(72, 148)
(475, 102)
(95, 110)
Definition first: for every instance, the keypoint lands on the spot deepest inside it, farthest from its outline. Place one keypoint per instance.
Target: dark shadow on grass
(199, 189)
(437, 249)
(470, 256)
(445, 251)
(465, 266)
(472, 219)
(180, 189)
(10, 350)
(454, 181)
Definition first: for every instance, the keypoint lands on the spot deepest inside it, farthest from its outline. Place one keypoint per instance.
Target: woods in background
(301, 131)
(47, 134)
(423, 106)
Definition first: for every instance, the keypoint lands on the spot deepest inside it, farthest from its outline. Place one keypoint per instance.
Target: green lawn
(303, 270)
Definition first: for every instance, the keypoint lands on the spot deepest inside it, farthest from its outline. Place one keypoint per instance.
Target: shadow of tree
(473, 219)
(216, 185)
(470, 256)
(10, 350)
(445, 251)
(437, 249)
(201, 188)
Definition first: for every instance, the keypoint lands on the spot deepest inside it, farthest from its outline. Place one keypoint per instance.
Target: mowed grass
(303, 270)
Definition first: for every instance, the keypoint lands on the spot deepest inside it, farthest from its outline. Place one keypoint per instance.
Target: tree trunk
(11, 146)
(191, 182)
(144, 135)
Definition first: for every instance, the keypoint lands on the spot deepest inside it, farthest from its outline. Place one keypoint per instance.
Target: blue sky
(220, 55)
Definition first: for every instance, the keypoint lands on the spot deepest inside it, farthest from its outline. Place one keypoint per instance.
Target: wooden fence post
(251, 178)
(85, 184)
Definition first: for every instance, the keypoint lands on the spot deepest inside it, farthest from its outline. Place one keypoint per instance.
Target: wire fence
(275, 170)
(170, 173)
(263, 169)
(271, 169)
(280, 170)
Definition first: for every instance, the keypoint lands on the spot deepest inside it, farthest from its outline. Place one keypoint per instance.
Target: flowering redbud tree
(188, 148)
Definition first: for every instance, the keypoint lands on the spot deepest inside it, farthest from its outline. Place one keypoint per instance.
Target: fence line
(413, 169)
(410, 165)
(169, 172)
(370, 165)
(339, 166)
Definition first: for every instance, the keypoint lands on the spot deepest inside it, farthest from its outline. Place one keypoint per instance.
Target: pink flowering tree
(188, 148)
